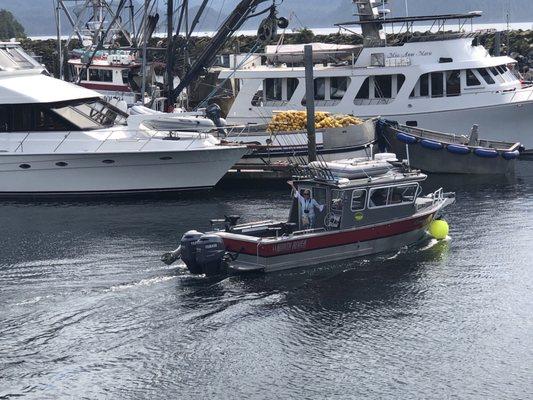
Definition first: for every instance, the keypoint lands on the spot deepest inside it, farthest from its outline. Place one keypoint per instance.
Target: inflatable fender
(486, 153)
(406, 138)
(458, 149)
(510, 155)
(431, 144)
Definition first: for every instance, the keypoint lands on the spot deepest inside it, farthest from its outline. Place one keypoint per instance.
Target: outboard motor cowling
(214, 113)
(188, 251)
(210, 252)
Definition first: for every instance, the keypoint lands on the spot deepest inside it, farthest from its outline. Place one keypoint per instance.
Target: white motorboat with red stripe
(374, 210)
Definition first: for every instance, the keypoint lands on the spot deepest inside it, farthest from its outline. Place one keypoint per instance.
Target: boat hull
(105, 173)
(443, 161)
(277, 155)
(329, 246)
(512, 122)
(331, 143)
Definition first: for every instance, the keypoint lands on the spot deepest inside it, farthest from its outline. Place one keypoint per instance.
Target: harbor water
(88, 311)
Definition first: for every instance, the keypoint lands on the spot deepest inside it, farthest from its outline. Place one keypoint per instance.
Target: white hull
(130, 172)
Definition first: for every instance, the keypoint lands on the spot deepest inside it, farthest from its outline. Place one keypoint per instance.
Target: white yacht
(442, 80)
(58, 138)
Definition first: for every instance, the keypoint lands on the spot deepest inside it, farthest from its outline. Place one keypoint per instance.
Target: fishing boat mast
(170, 54)
(231, 24)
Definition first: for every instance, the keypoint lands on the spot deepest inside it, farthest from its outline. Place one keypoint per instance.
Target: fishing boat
(443, 79)
(267, 147)
(439, 152)
(378, 208)
(275, 147)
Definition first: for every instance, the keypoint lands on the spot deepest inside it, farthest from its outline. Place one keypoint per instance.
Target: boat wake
(434, 242)
(141, 283)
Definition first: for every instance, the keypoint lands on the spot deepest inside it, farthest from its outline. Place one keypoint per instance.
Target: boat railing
(108, 138)
(372, 102)
(437, 196)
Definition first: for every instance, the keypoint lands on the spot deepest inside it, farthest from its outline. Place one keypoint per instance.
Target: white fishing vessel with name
(443, 80)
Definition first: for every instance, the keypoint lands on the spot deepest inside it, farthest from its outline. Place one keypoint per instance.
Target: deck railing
(68, 135)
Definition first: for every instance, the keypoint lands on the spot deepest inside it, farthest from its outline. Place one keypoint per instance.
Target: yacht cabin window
(471, 78)
(320, 88)
(381, 87)
(30, 118)
(424, 85)
(275, 91)
(338, 86)
(364, 90)
(92, 114)
(64, 116)
(453, 83)
(292, 84)
(486, 76)
(437, 84)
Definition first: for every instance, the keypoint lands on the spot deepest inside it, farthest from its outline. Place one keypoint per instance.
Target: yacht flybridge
(441, 79)
(57, 138)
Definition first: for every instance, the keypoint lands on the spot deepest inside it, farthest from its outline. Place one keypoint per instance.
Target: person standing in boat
(307, 207)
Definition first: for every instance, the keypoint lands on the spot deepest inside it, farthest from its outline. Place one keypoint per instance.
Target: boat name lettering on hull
(420, 53)
(290, 246)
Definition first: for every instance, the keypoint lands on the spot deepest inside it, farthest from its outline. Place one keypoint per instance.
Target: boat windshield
(14, 58)
(92, 114)
(83, 114)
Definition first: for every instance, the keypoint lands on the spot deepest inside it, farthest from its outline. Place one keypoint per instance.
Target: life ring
(431, 144)
(406, 138)
(486, 153)
(510, 155)
(458, 149)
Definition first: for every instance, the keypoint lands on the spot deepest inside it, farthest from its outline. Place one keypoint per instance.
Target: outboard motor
(214, 113)
(188, 251)
(210, 252)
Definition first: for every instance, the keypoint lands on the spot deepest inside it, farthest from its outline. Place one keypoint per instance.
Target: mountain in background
(37, 16)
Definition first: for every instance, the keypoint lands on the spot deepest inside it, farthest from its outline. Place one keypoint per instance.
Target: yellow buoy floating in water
(439, 229)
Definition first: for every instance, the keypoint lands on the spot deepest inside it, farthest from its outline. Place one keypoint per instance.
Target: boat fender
(431, 144)
(510, 155)
(458, 149)
(486, 153)
(439, 229)
(405, 138)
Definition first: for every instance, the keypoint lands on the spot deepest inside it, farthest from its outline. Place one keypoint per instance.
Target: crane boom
(232, 23)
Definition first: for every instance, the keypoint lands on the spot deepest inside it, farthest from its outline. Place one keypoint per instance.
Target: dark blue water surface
(87, 310)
